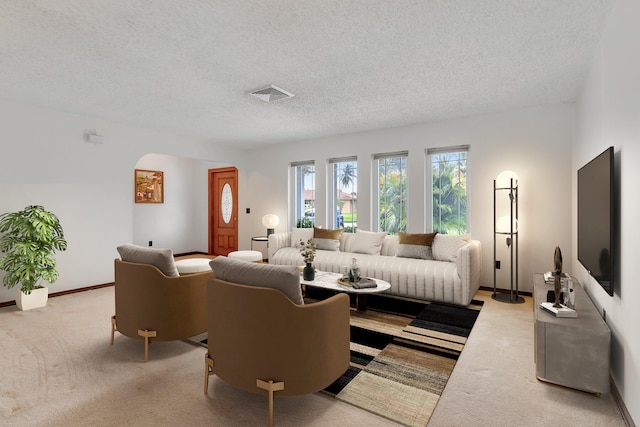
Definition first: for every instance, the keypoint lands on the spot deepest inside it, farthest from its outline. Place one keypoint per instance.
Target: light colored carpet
(58, 369)
(494, 381)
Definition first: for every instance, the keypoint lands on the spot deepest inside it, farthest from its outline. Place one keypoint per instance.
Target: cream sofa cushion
(327, 240)
(445, 246)
(368, 242)
(298, 234)
(161, 258)
(415, 245)
(284, 278)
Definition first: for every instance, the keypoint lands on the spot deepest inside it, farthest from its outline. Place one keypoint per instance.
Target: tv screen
(595, 218)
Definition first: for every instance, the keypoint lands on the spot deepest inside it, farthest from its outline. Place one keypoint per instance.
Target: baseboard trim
(626, 416)
(490, 289)
(89, 288)
(67, 292)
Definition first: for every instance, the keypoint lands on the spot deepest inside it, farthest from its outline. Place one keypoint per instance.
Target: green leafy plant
(31, 238)
(304, 222)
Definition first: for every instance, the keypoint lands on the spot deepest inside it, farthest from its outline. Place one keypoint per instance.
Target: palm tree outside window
(345, 192)
(392, 191)
(449, 189)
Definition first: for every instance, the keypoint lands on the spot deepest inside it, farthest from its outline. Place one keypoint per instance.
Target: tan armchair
(153, 307)
(262, 342)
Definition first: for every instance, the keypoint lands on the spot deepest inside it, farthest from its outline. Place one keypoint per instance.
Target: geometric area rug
(401, 358)
(402, 354)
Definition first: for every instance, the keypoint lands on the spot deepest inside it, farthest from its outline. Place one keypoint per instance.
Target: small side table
(264, 239)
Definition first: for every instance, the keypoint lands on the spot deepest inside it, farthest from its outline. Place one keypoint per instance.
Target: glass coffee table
(328, 280)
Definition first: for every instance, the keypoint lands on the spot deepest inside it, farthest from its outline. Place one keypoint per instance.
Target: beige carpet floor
(58, 369)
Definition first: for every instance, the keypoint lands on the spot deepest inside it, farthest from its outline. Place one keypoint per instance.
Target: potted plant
(29, 241)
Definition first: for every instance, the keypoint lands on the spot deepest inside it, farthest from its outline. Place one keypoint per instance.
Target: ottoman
(193, 265)
(255, 256)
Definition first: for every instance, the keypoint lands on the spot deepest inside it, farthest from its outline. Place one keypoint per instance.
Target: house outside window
(449, 189)
(303, 193)
(392, 191)
(345, 186)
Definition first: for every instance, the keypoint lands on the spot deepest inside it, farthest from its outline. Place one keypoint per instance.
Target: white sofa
(455, 281)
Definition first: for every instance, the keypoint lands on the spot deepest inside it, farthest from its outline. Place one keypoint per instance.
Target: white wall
(90, 187)
(180, 223)
(609, 115)
(536, 143)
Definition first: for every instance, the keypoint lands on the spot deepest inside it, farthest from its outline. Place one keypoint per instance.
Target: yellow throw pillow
(417, 245)
(327, 240)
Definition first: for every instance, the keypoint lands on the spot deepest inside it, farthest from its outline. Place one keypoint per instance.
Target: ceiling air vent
(271, 94)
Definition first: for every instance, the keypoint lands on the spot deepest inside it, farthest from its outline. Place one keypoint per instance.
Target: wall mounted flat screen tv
(596, 218)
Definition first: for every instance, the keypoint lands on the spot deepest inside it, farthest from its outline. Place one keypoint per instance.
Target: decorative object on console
(557, 288)
(507, 225)
(270, 221)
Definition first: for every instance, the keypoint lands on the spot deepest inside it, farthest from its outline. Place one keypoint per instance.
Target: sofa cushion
(417, 245)
(368, 242)
(298, 234)
(445, 246)
(285, 278)
(327, 240)
(161, 258)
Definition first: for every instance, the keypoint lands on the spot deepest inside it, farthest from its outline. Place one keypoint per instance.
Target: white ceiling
(353, 65)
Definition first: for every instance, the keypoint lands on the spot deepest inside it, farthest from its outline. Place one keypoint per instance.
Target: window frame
(297, 206)
(335, 182)
(376, 202)
(430, 206)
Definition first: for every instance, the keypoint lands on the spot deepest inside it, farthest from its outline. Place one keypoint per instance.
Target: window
(449, 189)
(392, 191)
(304, 193)
(345, 186)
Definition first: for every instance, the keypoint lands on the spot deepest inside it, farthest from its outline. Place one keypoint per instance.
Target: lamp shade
(270, 221)
(503, 225)
(504, 179)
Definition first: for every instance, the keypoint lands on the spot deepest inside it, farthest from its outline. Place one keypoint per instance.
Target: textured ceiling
(186, 66)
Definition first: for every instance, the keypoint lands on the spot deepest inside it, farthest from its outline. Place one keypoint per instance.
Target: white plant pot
(36, 299)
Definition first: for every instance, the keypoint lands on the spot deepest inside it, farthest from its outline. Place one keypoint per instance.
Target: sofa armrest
(277, 241)
(469, 262)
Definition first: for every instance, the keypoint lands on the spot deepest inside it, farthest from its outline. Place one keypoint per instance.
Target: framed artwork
(149, 186)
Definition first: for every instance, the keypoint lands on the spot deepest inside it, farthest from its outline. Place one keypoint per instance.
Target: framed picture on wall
(149, 186)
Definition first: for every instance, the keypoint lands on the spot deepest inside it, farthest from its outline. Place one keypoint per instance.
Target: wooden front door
(223, 211)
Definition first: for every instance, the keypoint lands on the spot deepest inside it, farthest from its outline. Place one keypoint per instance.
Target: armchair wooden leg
(271, 387)
(146, 334)
(209, 364)
(113, 327)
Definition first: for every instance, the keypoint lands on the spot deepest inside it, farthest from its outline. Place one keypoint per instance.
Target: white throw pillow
(298, 234)
(445, 246)
(368, 242)
(285, 278)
